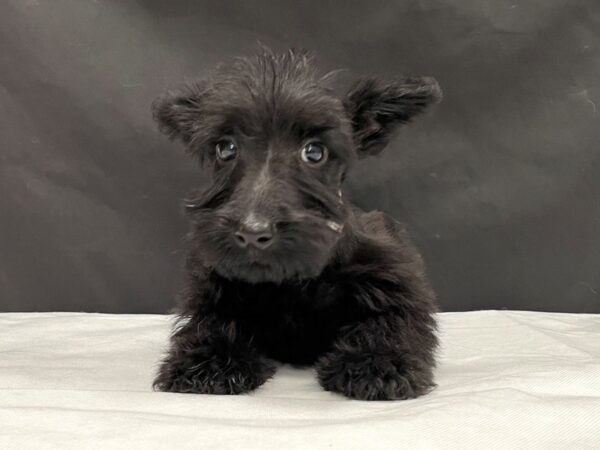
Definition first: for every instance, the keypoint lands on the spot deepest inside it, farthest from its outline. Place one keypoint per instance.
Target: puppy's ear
(377, 108)
(179, 113)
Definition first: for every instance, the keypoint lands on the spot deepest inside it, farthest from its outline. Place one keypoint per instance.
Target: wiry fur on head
(272, 105)
(267, 91)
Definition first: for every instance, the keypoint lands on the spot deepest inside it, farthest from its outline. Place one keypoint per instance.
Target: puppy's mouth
(256, 272)
(285, 260)
(258, 257)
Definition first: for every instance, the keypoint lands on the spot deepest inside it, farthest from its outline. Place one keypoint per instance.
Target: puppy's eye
(314, 153)
(226, 150)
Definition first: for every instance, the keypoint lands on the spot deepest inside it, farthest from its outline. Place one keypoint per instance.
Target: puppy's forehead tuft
(285, 90)
(270, 74)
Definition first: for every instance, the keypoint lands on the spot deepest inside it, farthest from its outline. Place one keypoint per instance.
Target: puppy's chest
(291, 324)
(272, 305)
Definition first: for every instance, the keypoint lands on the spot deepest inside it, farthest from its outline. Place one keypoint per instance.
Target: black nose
(258, 236)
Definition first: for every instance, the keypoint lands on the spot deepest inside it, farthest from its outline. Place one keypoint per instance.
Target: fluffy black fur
(338, 288)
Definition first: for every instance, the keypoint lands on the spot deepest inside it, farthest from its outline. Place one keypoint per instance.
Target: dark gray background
(499, 185)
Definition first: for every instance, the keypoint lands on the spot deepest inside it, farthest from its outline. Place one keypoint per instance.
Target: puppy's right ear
(179, 113)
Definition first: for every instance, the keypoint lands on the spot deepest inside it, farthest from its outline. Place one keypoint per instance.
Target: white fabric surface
(506, 379)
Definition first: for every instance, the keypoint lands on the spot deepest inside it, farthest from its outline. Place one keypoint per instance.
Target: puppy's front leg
(211, 356)
(385, 357)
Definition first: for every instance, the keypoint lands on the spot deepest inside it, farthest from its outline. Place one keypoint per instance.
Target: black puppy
(281, 267)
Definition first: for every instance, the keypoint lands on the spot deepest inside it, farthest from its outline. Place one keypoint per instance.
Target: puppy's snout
(259, 234)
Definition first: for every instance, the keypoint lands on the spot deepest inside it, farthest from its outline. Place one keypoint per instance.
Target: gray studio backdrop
(500, 185)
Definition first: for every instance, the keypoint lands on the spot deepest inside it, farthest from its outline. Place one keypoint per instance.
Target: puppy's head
(278, 144)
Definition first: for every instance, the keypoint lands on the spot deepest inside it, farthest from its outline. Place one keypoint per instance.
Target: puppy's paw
(213, 375)
(372, 377)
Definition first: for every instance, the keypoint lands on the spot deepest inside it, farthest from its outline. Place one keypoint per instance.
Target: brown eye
(314, 153)
(226, 150)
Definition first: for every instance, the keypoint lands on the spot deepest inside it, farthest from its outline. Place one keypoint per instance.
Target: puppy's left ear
(376, 108)
(179, 113)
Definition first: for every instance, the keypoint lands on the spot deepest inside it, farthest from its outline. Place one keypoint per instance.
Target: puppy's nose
(258, 234)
